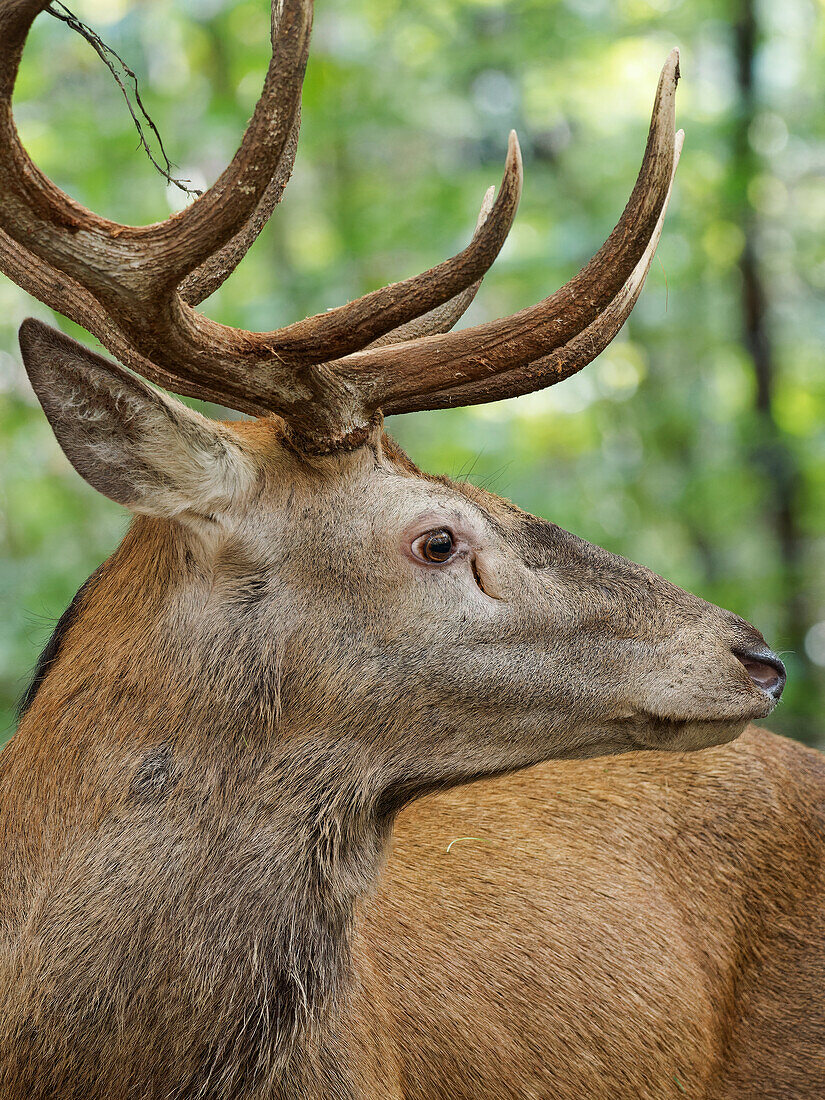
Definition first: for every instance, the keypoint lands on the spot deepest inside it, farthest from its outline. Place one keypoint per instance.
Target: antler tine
(564, 361)
(133, 266)
(350, 327)
(285, 372)
(224, 211)
(94, 270)
(442, 318)
(205, 280)
(400, 377)
(54, 284)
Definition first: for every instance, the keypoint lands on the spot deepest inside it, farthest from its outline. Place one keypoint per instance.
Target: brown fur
(198, 805)
(618, 924)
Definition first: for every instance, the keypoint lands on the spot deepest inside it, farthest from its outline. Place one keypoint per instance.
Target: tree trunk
(770, 452)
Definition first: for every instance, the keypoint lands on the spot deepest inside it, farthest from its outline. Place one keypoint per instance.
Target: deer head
(295, 576)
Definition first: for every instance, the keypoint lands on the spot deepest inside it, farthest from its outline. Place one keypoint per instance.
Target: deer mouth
(755, 691)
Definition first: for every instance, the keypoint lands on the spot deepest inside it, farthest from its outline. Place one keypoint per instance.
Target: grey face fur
(527, 643)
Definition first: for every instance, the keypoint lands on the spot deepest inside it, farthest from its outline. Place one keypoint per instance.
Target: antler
(331, 375)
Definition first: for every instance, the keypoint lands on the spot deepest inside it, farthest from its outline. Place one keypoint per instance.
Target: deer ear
(131, 442)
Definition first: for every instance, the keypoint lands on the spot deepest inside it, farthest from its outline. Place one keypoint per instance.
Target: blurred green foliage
(667, 449)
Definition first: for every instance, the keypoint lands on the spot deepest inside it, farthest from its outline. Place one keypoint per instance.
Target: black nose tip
(765, 669)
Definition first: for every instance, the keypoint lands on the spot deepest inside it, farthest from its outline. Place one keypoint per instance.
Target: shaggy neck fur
(193, 792)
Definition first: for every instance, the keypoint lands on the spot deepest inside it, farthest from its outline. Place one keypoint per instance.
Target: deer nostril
(765, 669)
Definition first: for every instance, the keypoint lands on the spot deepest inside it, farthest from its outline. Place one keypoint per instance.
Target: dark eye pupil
(438, 546)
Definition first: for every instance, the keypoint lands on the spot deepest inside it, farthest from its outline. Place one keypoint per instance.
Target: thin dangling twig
(106, 54)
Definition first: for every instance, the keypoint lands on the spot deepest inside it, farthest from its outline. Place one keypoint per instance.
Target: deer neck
(290, 851)
(277, 846)
(327, 846)
(280, 829)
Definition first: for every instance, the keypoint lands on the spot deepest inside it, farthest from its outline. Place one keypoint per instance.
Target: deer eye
(436, 547)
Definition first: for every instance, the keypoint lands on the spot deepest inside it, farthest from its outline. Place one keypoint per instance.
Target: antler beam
(329, 376)
(134, 287)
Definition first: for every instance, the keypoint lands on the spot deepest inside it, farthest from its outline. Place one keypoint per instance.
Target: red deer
(335, 780)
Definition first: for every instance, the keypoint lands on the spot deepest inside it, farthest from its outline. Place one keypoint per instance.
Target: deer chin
(685, 734)
(680, 734)
(647, 732)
